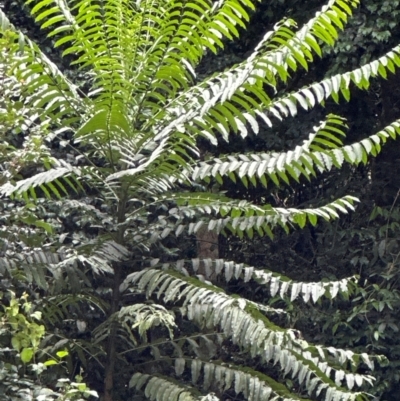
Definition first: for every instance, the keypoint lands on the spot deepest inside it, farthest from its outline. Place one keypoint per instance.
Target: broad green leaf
(26, 355)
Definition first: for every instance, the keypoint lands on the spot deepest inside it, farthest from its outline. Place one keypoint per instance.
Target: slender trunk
(111, 345)
(207, 246)
(111, 352)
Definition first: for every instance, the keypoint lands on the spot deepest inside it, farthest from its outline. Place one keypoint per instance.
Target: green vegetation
(112, 169)
(20, 336)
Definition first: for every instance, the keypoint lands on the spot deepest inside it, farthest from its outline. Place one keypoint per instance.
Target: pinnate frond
(45, 181)
(56, 308)
(322, 151)
(246, 326)
(277, 166)
(48, 93)
(226, 101)
(162, 388)
(241, 217)
(213, 375)
(143, 317)
(136, 319)
(54, 271)
(315, 94)
(278, 284)
(32, 263)
(222, 214)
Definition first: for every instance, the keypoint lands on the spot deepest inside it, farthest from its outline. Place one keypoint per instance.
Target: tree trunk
(207, 246)
(111, 351)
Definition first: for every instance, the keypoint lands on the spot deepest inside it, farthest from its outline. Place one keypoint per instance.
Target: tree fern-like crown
(138, 179)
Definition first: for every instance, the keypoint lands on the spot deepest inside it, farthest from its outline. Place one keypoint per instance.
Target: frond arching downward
(138, 318)
(55, 270)
(247, 327)
(50, 182)
(316, 93)
(322, 151)
(213, 375)
(243, 217)
(162, 388)
(48, 94)
(232, 99)
(277, 283)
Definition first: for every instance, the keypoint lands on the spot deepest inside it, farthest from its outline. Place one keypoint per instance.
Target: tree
(138, 180)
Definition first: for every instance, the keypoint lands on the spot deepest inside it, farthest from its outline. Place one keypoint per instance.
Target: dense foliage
(366, 241)
(95, 236)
